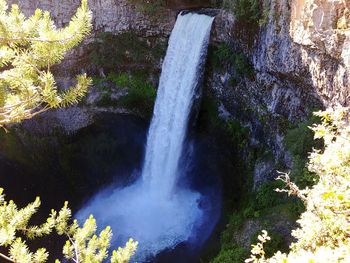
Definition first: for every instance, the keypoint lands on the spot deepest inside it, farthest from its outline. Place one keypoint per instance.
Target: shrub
(264, 17)
(84, 244)
(323, 235)
(236, 254)
(242, 65)
(267, 197)
(299, 142)
(273, 245)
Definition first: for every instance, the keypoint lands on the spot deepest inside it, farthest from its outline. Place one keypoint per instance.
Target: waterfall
(181, 71)
(154, 211)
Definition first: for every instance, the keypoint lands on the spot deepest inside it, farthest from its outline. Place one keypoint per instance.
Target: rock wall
(302, 62)
(322, 31)
(301, 56)
(302, 51)
(108, 15)
(114, 16)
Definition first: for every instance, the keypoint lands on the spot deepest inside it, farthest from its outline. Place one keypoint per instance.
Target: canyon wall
(108, 15)
(301, 59)
(322, 31)
(304, 42)
(300, 56)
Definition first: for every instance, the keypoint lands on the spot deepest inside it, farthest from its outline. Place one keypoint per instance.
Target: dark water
(109, 152)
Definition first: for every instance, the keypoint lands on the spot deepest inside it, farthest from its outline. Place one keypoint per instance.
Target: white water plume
(154, 211)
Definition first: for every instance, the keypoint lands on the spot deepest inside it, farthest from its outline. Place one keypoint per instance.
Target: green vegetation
(273, 245)
(262, 205)
(224, 56)
(140, 97)
(233, 254)
(124, 51)
(29, 47)
(323, 230)
(84, 245)
(231, 251)
(237, 133)
(245, 11)
(299, 143)
(231, 129)
(265, 205)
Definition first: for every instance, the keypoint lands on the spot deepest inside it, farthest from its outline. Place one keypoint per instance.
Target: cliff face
(322, 30)
(301, 56)
(301, 60)
(305, 43)
(303, 50)
(114, 16)
(109, 15)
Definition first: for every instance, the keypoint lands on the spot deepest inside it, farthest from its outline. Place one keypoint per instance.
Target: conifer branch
(28, 49)
(6, 257)
(28, 52)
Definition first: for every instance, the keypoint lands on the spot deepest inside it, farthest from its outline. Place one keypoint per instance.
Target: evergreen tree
(83, 244)
(28, 49)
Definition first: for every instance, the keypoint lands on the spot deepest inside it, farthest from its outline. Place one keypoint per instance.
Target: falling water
(154, 211)
(180, 74)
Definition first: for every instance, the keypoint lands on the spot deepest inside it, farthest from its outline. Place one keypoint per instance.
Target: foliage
(266, 196)
(258, 251)
(245, 11)
(230, 251)
(261, 205)
(238, 134)
(324, 226)
(83, 244)
(110, 51)
(231, 128)
(29, 47)
(265, 201)
(272, 245)
(224, 56)
(299, 142)
(140, 97)
(235, 254)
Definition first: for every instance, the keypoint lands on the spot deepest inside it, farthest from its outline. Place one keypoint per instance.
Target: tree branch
(6, 257)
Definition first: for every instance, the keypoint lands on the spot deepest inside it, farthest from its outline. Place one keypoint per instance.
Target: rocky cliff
(109, 15)
(300, 57)
(321, 29)
(117, 17)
